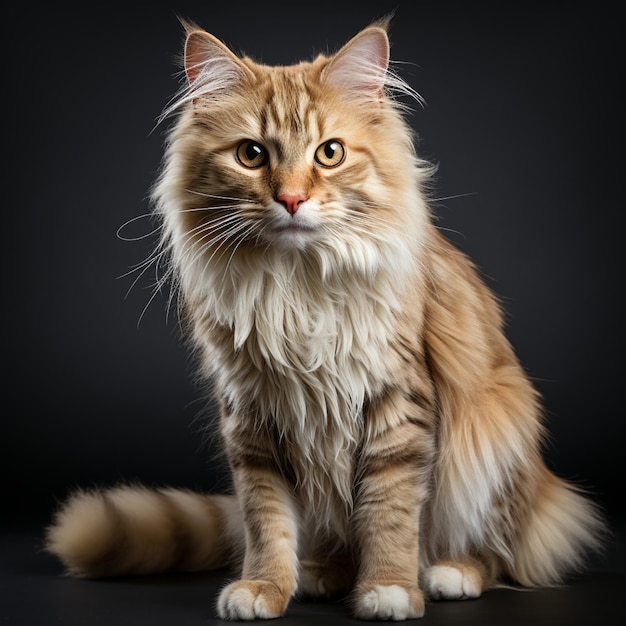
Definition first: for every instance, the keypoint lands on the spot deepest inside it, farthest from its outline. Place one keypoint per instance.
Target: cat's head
(308, 158)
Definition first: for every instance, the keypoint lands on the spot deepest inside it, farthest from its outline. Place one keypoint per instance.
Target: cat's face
(290, 164)
(291, 157)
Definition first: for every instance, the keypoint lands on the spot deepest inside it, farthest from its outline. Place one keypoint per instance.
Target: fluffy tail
(135, 530)
(563, 527)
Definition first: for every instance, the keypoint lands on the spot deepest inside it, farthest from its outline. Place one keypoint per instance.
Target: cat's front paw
(453, 582)
(251, 599)
(388, 602)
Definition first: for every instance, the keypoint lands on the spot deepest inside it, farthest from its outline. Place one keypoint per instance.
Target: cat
(384, 440)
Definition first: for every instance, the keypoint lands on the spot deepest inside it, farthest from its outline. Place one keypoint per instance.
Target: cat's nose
(292, 201)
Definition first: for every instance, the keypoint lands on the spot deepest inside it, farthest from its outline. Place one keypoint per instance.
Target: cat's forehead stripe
(289, 112)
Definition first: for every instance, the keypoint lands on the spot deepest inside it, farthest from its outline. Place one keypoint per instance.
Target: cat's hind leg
(458, 579)
(326, 577)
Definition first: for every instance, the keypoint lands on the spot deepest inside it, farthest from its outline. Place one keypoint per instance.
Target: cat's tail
(562, 529)
(136, 530)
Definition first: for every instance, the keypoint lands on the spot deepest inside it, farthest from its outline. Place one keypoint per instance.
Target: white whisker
(155, 291)
(231, 230)
(450, 230)
(136, 219)
(242, 238)
(217, 197)
(228, 237)
(454, 197)
(212, 208)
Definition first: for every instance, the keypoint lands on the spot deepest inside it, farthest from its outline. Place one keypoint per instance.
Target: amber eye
(330, 154)
(251, 154)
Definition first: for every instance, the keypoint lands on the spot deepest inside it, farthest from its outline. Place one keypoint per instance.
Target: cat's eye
(330, 154)
(251, 154)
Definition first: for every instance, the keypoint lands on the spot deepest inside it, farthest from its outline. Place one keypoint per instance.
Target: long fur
(373, 412)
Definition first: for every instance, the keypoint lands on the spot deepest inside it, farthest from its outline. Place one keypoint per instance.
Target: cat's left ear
(361, 65)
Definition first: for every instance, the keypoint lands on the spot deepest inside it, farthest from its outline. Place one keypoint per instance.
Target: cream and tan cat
(382, 436)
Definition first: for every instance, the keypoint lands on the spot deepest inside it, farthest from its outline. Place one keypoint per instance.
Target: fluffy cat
(373, 413)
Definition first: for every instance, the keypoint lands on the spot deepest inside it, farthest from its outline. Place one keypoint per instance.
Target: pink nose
(292, 202)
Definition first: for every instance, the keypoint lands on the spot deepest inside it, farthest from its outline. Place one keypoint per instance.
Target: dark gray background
(521, 116)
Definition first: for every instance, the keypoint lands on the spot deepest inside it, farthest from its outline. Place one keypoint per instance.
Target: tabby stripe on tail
(135, 530)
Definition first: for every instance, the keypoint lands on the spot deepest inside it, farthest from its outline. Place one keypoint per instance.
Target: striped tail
(135, 530)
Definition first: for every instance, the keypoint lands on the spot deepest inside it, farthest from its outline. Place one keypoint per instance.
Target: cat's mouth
(294, 229)
(294, 233)
(294, 226)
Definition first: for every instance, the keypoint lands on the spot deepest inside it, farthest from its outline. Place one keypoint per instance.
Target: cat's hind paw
(388, 602)
(251, 599)
(453, 582)
(319, 581)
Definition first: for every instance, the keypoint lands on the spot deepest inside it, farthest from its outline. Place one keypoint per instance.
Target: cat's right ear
(209, 65)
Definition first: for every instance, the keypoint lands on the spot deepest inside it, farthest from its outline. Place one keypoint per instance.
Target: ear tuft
(212, 70)
(209, 65)
(361, 64)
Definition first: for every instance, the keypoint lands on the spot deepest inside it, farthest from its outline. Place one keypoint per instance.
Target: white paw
(312, 585)
(445, 582)
(389, 602)
(248, 600)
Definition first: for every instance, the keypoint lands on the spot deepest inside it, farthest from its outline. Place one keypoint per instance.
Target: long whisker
(152, 260)
(136, 219)
(450, 230)
(216, 229)
(242, 238)
(160, 282)
(454, 197)
(152, 257)
(236, 230)
(216, 197)
(217, 207)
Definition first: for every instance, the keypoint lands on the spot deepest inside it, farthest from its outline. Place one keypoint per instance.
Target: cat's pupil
(330, 148)
(253, 151)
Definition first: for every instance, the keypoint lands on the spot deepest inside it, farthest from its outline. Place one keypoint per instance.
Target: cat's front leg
(395, 468)
(269, 576)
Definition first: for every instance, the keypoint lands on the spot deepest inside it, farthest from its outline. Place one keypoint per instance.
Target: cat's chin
(294, 237)
(293, 233)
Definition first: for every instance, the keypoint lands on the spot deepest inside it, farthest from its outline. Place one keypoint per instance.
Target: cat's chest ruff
(325, 342)
(301, 349)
